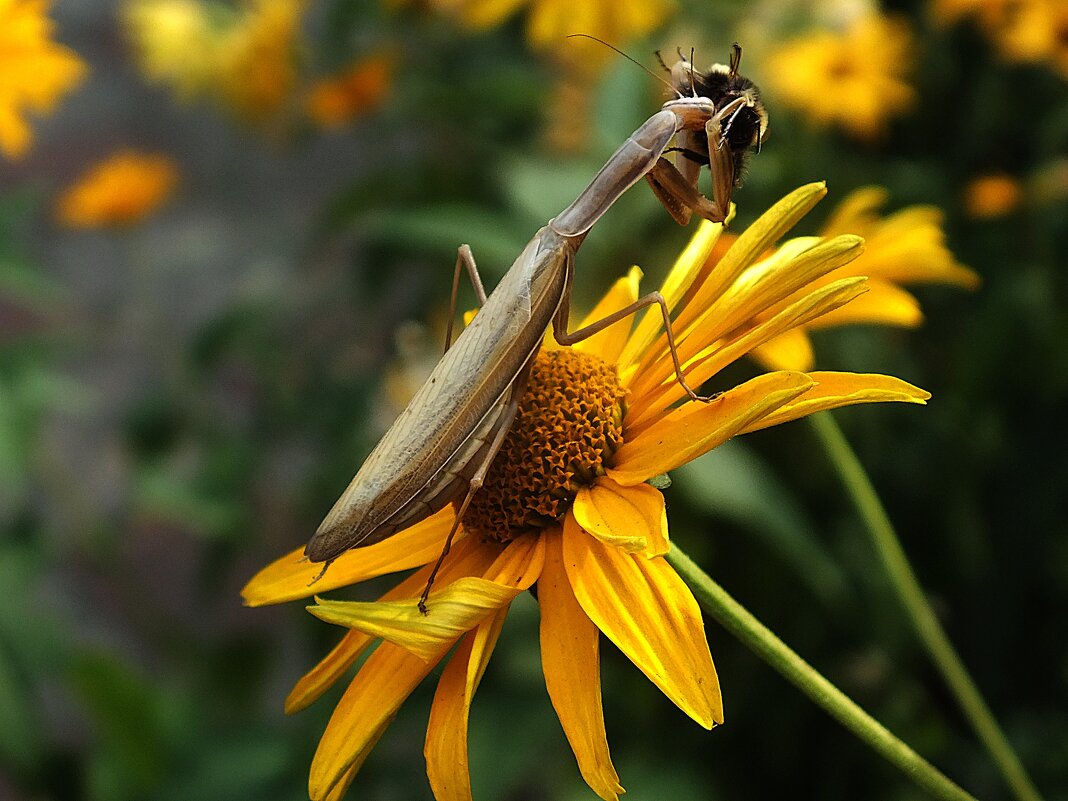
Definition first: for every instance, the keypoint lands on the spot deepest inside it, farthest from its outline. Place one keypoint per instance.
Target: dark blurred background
(182, 399)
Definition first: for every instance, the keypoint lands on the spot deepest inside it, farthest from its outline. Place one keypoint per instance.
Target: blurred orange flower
(334, 101)
(35, 72)
(993, 195)
(855, 79)
(119, 191)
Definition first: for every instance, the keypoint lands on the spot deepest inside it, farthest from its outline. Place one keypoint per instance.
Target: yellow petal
(856, 212)
(446, 733)
(609, 343)
(648, 407)
(790, 350)
(643, 607)
(467, 557)
(631, 518)
(337, 792)
(883, 304)
(519, 564)
(332, 667)
(750, 246)
(291, 576)
(454, 609)
(695, 428)
(571, 662)
(373, 697)
(842, 389)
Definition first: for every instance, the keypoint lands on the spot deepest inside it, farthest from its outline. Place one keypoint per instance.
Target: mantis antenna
(628, 58)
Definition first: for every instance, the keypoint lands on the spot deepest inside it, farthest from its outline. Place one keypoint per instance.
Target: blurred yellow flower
(119, 191)
(906, 247)
(35, 71)
(176, 43)
(258, 57)
(567, 505)
(855, 79)
(1022, 30)
(550, 21)
(334, 101)
(992, 195)
(244, 56)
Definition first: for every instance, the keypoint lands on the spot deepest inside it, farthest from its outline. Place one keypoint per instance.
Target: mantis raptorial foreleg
(464, 258)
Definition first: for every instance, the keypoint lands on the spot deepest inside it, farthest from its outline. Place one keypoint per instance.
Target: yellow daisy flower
(551, 21)
(906, 247)
(568, 507)
(35, 71)
(334, 101)
(855, 79)
(119, 191)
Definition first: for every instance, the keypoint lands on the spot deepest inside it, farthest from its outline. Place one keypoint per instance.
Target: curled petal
(842, 389)
(571, 662)
(643, 607)
(293, 576)
(454, 609)
(632, 518)
(468, 557)
(696, 428)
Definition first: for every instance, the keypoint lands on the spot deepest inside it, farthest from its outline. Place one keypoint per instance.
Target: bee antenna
(660, 60)
(693, 89)
(736, 58)
(628, 58)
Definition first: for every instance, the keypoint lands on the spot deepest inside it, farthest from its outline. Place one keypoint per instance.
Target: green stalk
(886, 543)
(739, 622)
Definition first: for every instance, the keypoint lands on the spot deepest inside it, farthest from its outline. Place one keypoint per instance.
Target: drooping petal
(454, 609)
(373, 697)
(883, 304)
(571, 662)
(842, 389)
(695, 428)
(467, 557)
(292, 576)
(790, 350)
(632, 518)
(609, 343)
(446, 734)
(337, 792)
(643, 607)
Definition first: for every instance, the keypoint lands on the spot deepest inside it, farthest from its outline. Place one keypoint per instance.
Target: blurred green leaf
(735, 483)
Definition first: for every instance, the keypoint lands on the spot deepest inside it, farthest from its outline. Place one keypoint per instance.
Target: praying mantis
(441, 446)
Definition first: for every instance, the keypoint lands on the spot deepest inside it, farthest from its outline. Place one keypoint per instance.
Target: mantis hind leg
(464, 258)
(565, 337)
(478, 477)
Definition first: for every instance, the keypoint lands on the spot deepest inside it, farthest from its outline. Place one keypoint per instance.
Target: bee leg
(464, 258)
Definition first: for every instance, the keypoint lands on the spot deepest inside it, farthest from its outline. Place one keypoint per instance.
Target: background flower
(121, 190)
(35, 71)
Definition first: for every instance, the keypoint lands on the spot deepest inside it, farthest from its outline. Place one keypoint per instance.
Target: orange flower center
(568, 426)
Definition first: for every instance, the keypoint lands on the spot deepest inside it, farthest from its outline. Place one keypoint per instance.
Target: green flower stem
(908, 589)
(736, 619)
